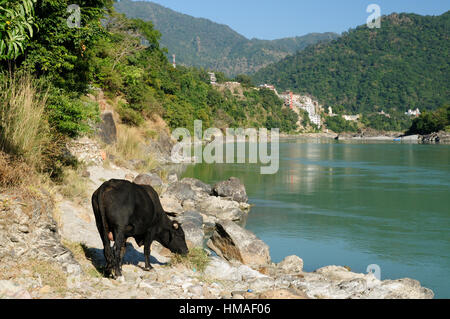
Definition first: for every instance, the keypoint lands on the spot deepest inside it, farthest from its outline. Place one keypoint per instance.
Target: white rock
(291, 265)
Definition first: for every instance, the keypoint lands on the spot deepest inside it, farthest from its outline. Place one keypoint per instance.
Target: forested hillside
(401, 66)
(203, 43)
(48, 68)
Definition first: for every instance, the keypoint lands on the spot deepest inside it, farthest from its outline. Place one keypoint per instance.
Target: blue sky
(273, 19)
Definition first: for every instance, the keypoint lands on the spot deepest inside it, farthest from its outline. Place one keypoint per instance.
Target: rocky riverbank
(50, 248)
(441, 137)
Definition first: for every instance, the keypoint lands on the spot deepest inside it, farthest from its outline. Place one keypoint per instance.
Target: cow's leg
(119, 242)
(123, 250)
(108, 253)
(147, 243)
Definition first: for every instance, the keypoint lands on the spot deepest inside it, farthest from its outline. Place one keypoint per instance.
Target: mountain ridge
(200, 42)
(404, 64)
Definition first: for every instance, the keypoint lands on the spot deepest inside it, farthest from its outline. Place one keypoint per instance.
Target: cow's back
(127, 204)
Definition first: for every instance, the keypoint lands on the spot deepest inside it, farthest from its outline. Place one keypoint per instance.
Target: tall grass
(24, 130)
(129, 146)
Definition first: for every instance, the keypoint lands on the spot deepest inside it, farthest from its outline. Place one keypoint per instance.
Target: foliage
(338, 124)
(62, 53)
(245, 80)
(203, 43)
(396, 122)
(431, 121)
(129, 61)
(70, 115)
(16, 27)
(123, 56)
(401, 66)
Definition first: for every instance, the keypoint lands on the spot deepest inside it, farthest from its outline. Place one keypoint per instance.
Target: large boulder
(336, 282)
(171, 204)
(180, 191)
(192, 223)
(148, 179)
(220, 208)
(232, 188)
(291, 265)
(233, 242)
(198, 186)
(107, 128)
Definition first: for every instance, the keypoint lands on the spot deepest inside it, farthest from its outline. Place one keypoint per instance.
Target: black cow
(122, 210)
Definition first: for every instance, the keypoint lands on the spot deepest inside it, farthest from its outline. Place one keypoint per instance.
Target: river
(352, 204)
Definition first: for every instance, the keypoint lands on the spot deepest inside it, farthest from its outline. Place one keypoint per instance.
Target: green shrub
(129, 116)
(70, 115)
(429, 122)
(338, 124)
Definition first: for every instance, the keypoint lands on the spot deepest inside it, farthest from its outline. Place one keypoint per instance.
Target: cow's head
(174, 239)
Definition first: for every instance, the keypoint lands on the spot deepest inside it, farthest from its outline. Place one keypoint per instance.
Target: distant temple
(415, 113)
(212, 77)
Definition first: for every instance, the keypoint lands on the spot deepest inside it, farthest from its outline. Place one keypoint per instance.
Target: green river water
(352, 204)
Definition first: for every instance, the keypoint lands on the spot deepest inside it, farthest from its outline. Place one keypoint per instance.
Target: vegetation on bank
(338, 124)
(47, 69)
(431, 121)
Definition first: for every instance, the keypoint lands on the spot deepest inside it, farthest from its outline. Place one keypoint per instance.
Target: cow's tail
(101, 207)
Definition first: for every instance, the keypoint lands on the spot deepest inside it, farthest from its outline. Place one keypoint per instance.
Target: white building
(212, 77)
(416, 112)
(352, 118)
(311, 107)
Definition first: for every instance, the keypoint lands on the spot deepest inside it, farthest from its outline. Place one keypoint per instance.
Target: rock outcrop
(148, 179)
(192, 223)
(29, 235)
(192, 194)
(441, 137)
(233, 189)
(107, 129)
(233, 242)
(242, 268)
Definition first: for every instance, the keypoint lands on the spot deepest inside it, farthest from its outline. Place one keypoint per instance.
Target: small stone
(196, 290)
(85, 174)
(24, 229)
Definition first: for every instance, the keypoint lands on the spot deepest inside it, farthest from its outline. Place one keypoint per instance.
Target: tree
(429, 122)
(16, 27)
(245, 80)
(59, 51)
